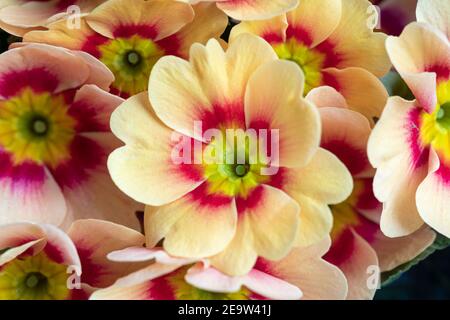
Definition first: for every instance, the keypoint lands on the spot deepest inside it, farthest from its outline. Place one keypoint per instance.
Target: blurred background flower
(395, 14)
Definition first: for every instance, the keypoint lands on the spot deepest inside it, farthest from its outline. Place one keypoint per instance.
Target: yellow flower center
(344, 216)
(310, 61)
(184, 291)
(131, 60)
(435, 127)
(36, 127)
(344, 213)
(236, 171)
(34, 278)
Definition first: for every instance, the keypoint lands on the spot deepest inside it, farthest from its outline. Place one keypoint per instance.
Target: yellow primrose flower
(322, 36)
(254, 139)
(55, 138)
(42, 262)
(358, 244)
(410, 146)
(130, 36)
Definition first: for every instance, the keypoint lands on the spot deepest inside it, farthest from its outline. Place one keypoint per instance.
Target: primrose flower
(410, 145)
(359, 246)
(19, 16)
(41, 262)
(252, 10)
(322, 36)
(55, 137)
(395, 14)
(130, 36)
(245, 188)
(303, 274)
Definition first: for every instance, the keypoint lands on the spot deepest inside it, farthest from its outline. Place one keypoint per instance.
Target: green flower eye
(133, 58)
(241, 170)
(36, 280)
(39, 126)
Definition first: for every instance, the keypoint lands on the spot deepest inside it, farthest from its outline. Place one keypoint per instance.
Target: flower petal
(195, 226)
(262, 231)
(400, 168)
(272, 30)
(433, 195)
(96, 196)
(26, 15)
(325, 97)
(137, 285)
(17, 234)
(92, 108)
(107, 18)
(206, 14)
(59, 247)
(58, 34)
(256, 10)
(271, 287)
(354, 256)
(396, 185)
(210, 88)
(94, 239)
(418, 55)
(306, 186)
(99, 74)
(363, 91)
(309, 180)
(55, 69)
(141, 254)
(305, 269)
(305, 24)
(37, 201)
(212, 280)
(354, 43)
(345, 133)
(274, 101)
(31, 247)
(136, 292)
(395, 252)
(436, 13)
(316, 221)
(151, 177)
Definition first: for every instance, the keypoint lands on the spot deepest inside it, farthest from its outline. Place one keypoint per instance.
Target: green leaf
(440, 243)
(396, 86)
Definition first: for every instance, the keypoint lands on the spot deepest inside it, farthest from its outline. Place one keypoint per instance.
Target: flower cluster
(189, 150)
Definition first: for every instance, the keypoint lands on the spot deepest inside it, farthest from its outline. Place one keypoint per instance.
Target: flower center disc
(39, 127)
(241, 170)
(35, 280)
(133, 58)
(443, 115)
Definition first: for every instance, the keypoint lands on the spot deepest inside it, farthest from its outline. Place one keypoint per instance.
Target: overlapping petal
(359, 247)
(19, 16)
(418, 65)
(252, 10)
(302, 274)
(435, 13)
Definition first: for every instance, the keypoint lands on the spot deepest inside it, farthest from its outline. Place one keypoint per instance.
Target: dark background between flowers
(427, 279)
